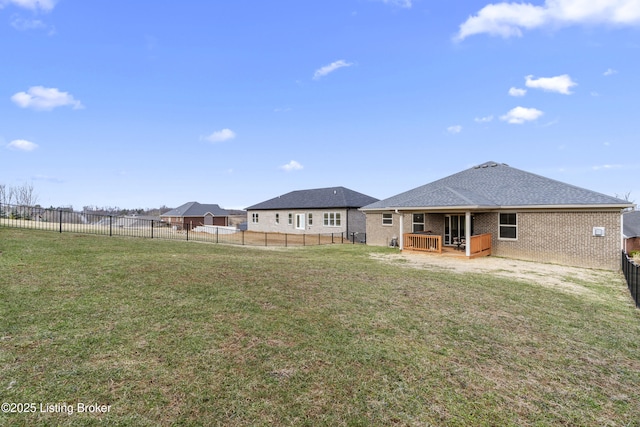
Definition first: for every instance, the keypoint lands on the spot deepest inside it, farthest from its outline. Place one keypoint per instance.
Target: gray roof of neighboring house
(196, 209)
(631, 224)
(319, 198)
(496, 185)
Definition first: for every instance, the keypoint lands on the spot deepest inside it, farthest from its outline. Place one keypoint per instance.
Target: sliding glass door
(453, 228)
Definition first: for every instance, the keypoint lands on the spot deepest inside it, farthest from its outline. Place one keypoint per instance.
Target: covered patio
(479, 245)
(494, 209)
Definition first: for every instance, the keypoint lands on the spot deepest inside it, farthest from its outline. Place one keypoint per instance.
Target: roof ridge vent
(493, 165)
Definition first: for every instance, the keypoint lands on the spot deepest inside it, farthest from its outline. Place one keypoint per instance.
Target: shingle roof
(196, 209)
(631, 224)
(319, 198)
(494, 185)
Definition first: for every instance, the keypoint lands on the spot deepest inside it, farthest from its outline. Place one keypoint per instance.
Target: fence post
(318, 239)
(60, 211)
(217, 232)
(152, 229)
(242, 237)
(636, 268)
(265, 238)
(110, 225)
(285, 240)
(304, 243)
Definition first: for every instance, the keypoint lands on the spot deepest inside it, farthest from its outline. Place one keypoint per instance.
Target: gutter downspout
(400, 235)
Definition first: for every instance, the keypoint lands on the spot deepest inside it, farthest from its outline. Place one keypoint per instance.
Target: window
(290, 220)
(387, 219)
(418, 222)
(332, 219)
(310, 218)
(277, 218)
(508, 226)
(254, 218)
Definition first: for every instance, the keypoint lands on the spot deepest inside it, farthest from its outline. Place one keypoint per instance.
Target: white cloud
(514, 91)
(510, 19)
(519, 115)
(42, 98)
(45, 5)
(402, 3)
(606, 167)
(220, 136)
(321, 72)
(27, 24)
(610, 72)
(292, 166)
(486, 119)
(560, 84)
(454, 129)
(22, 145)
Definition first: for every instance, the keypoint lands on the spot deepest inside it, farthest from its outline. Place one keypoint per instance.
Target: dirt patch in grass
(563, 278)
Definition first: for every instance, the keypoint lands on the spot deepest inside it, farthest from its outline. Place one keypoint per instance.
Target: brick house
(194, 214)
(319, 211)
(495, 209)
(631, 231)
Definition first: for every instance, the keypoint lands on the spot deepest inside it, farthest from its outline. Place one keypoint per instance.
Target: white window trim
(331, 219)
(500, 225)
(413, 224)
(388, 224)
(277, 218)
(255, 218)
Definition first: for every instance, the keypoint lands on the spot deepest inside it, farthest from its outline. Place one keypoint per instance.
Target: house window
(418, 223)
(310, 218)
(290, 220)
(277, 218)
(254, 218)
(332, 219)
(508, 226)
(387, 219)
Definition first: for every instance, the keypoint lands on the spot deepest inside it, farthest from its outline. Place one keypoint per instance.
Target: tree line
(23, 195)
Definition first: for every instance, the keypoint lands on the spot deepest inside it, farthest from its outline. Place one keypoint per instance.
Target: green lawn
(185, 333)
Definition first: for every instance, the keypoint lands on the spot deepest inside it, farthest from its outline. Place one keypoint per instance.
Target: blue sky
(142, 104)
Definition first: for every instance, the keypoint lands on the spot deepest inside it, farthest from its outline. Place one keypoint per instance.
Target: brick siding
(554, 236)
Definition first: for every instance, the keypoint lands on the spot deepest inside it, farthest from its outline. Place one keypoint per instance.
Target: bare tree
(21, 195)
(25, 195)
(7, 194)
(626, 197)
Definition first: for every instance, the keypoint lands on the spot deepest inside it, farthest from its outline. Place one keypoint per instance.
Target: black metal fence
(631, 272)
(68, 221)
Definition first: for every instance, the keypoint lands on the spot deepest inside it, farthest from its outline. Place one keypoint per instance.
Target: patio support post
(467, 233)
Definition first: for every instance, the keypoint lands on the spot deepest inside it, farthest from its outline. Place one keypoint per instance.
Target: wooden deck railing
(423, 242)
(480, 245)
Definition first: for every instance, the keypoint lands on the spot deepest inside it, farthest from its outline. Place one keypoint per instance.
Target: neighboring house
(516, 214)
(321, 210)
(631, 231)
(194, 214)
